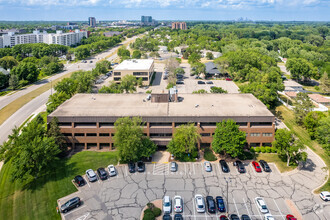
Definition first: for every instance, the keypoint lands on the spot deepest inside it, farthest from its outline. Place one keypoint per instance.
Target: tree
(123, 52)
(311, 122)
(209, 56)
(26, 71)
(54, 132)
(130, 140)
(300, 69)
(129, 83)
(287, 146)
(194, 58)
(179, 71)
(84, 81)
(4, 80)
(136, 54)
(13, 81)
(228, 138)
(323, 133)
(82, 52)
(323, 30)
(112, 88)
(325, 83)
(56, 100)
(184, 141)
(218, 90)
(8, 62)
(67, 86)
(303, 105)
(198, 68)
(201, 91)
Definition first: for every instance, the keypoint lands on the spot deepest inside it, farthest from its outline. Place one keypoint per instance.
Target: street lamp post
(227, 181)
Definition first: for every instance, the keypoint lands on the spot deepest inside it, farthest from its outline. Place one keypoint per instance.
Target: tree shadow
(309, 165)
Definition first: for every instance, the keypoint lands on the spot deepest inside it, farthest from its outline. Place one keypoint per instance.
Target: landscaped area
(39, 200)
(273, 158)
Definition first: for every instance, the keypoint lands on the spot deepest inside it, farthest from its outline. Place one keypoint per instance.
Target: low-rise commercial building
(140, 68)
(87, 120)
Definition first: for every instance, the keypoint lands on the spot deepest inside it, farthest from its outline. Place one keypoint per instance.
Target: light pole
(227, 181)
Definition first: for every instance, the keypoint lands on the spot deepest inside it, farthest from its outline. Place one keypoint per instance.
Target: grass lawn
(301, 133)
(39, 200)
(273, 158)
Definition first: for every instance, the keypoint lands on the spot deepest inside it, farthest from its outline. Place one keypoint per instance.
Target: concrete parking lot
(124, 196)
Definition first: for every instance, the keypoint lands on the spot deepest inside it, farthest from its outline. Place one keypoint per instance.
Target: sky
(79, 10)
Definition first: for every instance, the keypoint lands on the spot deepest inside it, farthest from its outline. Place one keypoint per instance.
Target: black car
(141, 166)
(220, 204)
(200, 82)
(179, 76)
(167, 217)
(178, 217)
(102, 173)
(234, 217)
(71, 204)
(240, 166)
(79, 180)
(264, 165)
(210, 204)
(224, 166)
(131, 167)
(179, 82)
(209, 82)
(245, 217)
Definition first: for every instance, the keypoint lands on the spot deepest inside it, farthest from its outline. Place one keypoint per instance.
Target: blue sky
(71, 10)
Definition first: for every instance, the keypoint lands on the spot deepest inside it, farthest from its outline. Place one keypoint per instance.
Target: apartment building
(179, 25)
(92, 21)
(87, 120)
(66, 39)
(1, 42)
(140, 68)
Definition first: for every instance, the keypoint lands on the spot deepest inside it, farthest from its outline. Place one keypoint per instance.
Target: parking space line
(257, 208)
(194, 207)
(219, 169)
(246, 207)
(253, 170)
(185, 169)
(236, 206)
(126, 171)
(194, 168)
(83, 217)
(202, 167)
(278, 209)
(205, 214)
(87, 182)
(72, 211)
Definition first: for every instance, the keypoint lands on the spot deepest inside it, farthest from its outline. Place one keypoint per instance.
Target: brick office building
(87, 120)
(179, 25)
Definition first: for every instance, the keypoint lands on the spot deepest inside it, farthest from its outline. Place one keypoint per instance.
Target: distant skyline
(71, 10)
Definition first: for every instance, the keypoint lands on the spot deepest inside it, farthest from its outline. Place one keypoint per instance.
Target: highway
(38, 104)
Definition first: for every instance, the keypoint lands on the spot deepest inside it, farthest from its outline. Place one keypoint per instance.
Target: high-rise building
(179, 25)
(146, 20)
(92, 21)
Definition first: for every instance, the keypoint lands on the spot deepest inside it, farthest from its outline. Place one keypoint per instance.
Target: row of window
(263, 134)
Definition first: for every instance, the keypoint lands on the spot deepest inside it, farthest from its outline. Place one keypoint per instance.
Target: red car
(290, 217)
(223, 217)
(229, 79)
(256, 166)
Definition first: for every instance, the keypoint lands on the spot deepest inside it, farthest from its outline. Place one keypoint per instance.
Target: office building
(179, 25)
(92, 22)
(140, 68)
(87, 120)
(146, 20)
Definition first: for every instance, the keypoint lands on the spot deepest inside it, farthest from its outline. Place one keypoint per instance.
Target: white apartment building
(67, 39)
(1, 42)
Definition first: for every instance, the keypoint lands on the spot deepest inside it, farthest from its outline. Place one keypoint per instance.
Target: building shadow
(158, 78)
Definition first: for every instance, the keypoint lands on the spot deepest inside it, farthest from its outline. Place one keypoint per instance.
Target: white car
(174, 167)
(261, 205)
(167, 206)
(268, 217)
(177, 204)
(112, 170)
(325, 196)
(207, 166)
(91, 175)
(200, 203)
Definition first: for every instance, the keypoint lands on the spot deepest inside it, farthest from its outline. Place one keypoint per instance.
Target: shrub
(246, 155)
(273, 149)
(208, 154)
(157, 211)
(148, 215)
(148, 91)
(268, 149)
(316, 88)
(262, 149)
(150, 205)
(257, 149)
(252, 150)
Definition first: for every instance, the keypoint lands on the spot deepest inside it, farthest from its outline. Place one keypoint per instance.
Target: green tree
(84, 80)
(4, 80)
(67, 86)
(26, 71)
(228, 138)
(130, 140)
(13, 81)
(325, 83)
(288, 147)
(323, 133)
(311, 122)
(54, 132)
(209, 56)
(8, 62)
(218, 90)
(198, 68)
(300, 69)
(201, 91)
(184, 141)
(129, 83)
(194, 58)
(56, 100)
(82, 52)
(112, 88)
(136, 54)
(179, 71)
(303, 105)
(123, 52)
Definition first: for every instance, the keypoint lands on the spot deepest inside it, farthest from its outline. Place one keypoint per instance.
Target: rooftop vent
(196, 106)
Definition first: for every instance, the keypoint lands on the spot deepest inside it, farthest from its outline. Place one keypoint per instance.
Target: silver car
(91, 175)
(177, 204)
(167, 206)
(207, 166)
(112, 170)
(174, 167)
(200, 203)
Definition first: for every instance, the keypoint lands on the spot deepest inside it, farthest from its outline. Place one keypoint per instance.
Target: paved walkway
(161, 157)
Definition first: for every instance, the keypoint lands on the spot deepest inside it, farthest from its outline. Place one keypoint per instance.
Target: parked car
(178, 217)
(207, 166)
(223, 217)
(261, 205)
(112, 170)
(102, 173)
(210, 204)
(177, 204)
(220, 204)
(179, 82)
(240, 166)
(268, 217)
(196, 77)
(200, 204)
(209, 82)
(79, 180)
(245, 217)
(290, 217)
(167, 206)
(325, 196)
(91, 175)
(200, 82)
(179, 76)
(229, 79)
(131, 167)
(264, 165)
(224, 166)
(174, 167)
(256, 166)
(141, 166)
(234, 217)
(91, 61)
(71, 204)
(167, 217)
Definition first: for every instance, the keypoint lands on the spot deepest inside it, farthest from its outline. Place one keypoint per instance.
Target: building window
(104, 145)
(117, 73)
(79, 134)
(140, 73)
(106, 124)
(254, 124)
(89, 145)
(84, 125)
(254, 144)
(184, 123)
(205, 134)
(241, 123)
(145, 78)
(165, 124)
(104, 134)
(116, 78)
(208, 124)
(267, 134)
(64, 124)
(161, 135)
(254, 134)
(67, 134)
(91, 134)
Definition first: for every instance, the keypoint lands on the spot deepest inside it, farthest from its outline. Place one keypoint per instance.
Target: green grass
(273, 158)
(208, 154)
(39, 200)
(4, 92)
(301, 133)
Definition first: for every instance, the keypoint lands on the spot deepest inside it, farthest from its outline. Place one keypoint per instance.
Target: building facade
(87, 120)
(92, 21)
(179, 25)
(140, 68)
(146, 19)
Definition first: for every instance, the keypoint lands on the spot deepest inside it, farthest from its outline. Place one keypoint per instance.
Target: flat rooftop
(134, 64)
(192, 105)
